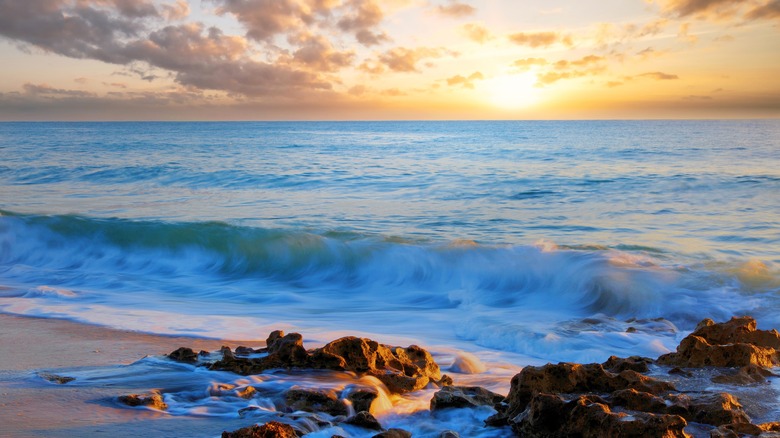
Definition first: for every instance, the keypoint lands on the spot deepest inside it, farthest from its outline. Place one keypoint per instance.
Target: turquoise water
(519, 242)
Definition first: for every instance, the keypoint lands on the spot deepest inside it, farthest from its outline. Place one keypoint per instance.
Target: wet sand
(33, 407)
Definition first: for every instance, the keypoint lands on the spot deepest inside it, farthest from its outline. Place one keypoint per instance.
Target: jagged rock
(717, 409)
(400, 369)
(548, 415)
(464, 397)
(365, 420)
(393, 433)
(246, 351)
(744, 376)
(736, 430)
(634, 400)
(735, 343)
(315, 401)
(183, 354)
(55, 378)
(572, 378)
(362, 399)
(634, 363)
(272, 429)
(153, 400)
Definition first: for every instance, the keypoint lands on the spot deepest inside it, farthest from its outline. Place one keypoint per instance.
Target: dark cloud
(265, 19)
(723, 9)
(48, 91)
(456, 9)
(361, 17)
(540, 39)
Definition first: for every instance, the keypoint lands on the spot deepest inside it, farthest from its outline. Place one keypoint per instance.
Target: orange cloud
(316, 52)
(456, 9)
(659, 76)
(526, 63)
(476, 32)
(402, 59)
(465, 82)
(540, 39)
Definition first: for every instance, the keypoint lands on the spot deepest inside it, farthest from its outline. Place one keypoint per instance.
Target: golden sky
(392, 59)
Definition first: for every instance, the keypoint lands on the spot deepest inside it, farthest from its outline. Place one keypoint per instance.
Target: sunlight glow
(512, 91)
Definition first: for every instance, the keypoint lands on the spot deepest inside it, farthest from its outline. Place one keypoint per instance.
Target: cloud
(176, 11)
(476, 32)
(264, 19)
(465, 82)
(659, 76)
(361, 17)
(540, 39)
(769, 10)
(527, 63)
(720, 10)
(49, 91)
(456, 9)
(316, 52)
(402, 59)
(684, 34)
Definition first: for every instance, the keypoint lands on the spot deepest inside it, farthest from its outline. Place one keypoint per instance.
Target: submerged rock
(309, 400)
(400, 369)
(153, 400)
(184, 354)
(735, 343)
(464, 397)
(746, 375)
(56, 378)
(362, 399)
(393, 433)
(272, 429)
(365, 420)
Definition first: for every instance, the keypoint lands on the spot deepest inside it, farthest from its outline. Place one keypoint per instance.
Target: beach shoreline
(33, 407)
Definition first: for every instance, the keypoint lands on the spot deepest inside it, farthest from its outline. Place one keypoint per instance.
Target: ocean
(493, 244)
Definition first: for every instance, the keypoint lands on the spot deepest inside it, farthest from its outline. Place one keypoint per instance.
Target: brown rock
(400, 369)
(393, 433)
(309, 400)
(272, 429)
(735, 430)
(464, 397)
(744, 376)
(183, 354)
(634, 400)
(153, 400)
(247, 392)
(549, 415)
(695, 351)
(737, 330)
(717, 409)
(365, 420)
(634, 363)
(735, 343)
(362, 399)
(571, 378)
(56, 378)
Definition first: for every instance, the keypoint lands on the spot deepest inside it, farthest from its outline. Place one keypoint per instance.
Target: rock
(548, 415)
(736, 430)
(183, 354)
(56, 378)
(400, 369)
(393, 433)
(717, 409)
(449, 434)
(681, 372)
(315, 401)
(246, 351)
(272, 429)
(362, 399)
(572, 378)
(153, 400)
(464, 397)
(247, 392)
(634, 400)
(634, 363)
(744, 376)
(736, 343)
(365, 420)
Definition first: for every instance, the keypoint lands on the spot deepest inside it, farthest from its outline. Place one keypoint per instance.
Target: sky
(388, 60)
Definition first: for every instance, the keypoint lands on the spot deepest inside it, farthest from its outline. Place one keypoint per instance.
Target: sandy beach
(32, 407)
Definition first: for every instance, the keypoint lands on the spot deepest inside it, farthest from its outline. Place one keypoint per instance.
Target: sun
(511, 91)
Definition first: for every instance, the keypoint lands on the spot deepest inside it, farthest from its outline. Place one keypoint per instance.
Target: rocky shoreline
(622, 397)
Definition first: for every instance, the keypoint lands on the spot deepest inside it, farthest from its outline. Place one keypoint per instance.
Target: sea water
(493, 244)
